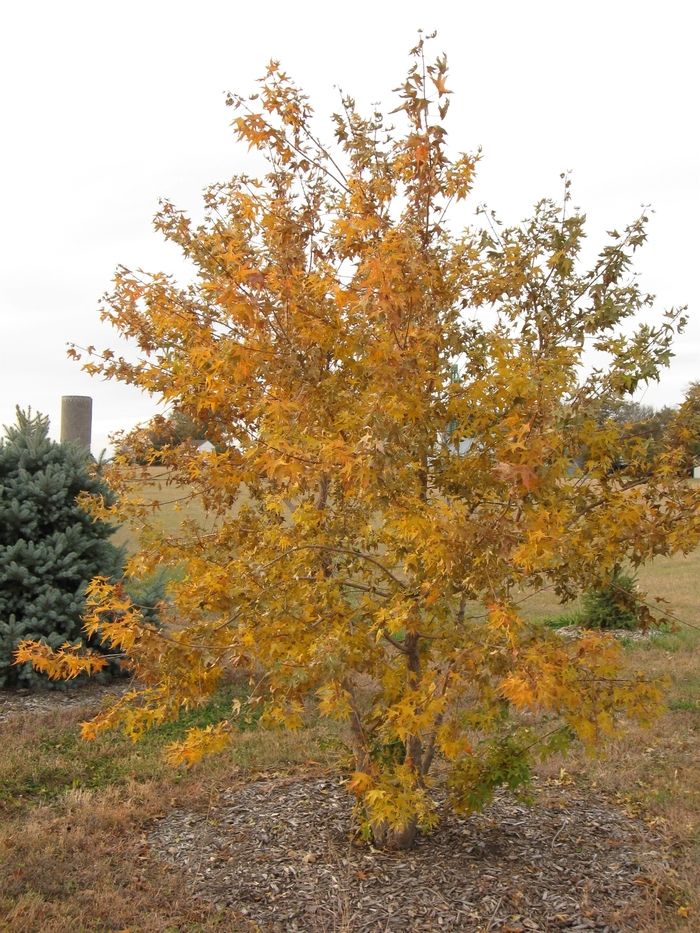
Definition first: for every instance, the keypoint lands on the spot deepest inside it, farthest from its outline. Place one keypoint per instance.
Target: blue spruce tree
(50, 548)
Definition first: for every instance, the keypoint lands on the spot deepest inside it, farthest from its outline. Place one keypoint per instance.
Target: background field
(174, 504)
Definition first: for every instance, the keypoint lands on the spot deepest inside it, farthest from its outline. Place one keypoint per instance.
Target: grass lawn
(73, 815)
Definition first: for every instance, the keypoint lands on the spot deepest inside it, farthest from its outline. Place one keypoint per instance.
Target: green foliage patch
(613, 606)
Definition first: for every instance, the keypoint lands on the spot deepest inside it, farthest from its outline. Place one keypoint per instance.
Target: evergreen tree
(49, 546)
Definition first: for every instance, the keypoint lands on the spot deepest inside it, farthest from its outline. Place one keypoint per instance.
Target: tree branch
(337, 550)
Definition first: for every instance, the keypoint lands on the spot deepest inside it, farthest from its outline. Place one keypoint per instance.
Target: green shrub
(49, 547)
(613, 606)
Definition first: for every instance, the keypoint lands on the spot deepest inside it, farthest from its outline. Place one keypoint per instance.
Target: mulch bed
(282, 853)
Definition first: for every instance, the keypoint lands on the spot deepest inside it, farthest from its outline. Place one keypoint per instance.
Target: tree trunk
(321, 502)
(414, 745)
(403, 837)
(394, 837)
(360, 745)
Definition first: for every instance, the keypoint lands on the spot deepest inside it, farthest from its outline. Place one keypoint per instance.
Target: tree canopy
(409, 441)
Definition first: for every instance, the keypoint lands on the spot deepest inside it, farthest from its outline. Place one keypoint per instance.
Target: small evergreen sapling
(613, 606)
(50, 548)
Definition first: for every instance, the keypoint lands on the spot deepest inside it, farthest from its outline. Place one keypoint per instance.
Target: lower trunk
(403, 837)
(394, 837)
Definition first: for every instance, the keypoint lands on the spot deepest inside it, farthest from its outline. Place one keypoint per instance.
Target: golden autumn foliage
(408, 439)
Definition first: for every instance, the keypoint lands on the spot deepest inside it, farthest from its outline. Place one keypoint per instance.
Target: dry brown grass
(654, 773)
(80, 865)
(73, 817)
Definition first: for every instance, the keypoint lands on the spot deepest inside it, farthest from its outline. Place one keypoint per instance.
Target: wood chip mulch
(49, 701)
(283, 854)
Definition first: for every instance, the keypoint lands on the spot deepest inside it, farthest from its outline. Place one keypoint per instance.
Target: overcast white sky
(106, 107)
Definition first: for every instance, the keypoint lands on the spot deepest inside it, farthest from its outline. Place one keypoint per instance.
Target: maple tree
(408, 441)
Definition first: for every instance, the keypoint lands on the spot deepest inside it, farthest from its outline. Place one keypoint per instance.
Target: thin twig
(559, 831)
(336, 550)
(493, 918)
